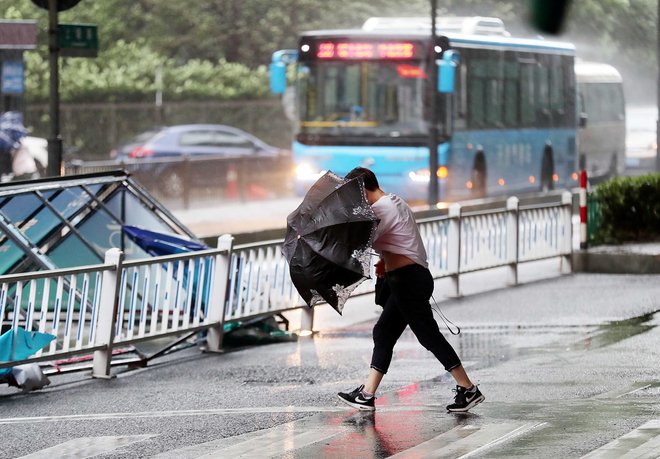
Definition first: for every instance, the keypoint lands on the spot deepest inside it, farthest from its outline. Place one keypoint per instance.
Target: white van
(602, 132)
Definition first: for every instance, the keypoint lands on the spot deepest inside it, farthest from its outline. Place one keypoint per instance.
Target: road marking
(84, 447)
(166, 414)
(622, 392)
(465, 441)
(262, 443)
(645, 386)
(207, 412)
(641, 443)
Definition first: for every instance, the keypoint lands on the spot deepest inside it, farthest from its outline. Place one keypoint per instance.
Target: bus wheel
(478, 176)
(547, 170)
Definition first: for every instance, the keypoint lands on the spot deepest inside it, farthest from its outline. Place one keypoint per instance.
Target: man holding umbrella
(404, 268)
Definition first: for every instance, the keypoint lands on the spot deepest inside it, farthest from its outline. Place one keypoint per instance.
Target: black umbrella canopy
(328, 240)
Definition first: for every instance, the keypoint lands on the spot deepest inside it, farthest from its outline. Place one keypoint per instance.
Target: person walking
(406, 286)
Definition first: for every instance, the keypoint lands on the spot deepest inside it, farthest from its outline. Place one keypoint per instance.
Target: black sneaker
(356, 400)
(464, 399)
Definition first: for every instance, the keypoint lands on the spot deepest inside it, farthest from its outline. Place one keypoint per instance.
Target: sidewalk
(641, 258)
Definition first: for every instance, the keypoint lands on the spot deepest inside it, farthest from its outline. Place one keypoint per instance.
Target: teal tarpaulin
(20, 344)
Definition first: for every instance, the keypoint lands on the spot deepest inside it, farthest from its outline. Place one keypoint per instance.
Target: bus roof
(477, 25)
(468, 40)
(596, 72)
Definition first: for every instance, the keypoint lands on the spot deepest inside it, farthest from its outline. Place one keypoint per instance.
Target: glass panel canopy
(71, 221)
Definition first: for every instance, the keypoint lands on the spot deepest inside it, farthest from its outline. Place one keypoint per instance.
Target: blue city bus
(506, 110)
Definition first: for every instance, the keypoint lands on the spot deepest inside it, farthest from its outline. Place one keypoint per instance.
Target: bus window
(460, 97)
(486, 90)
(527, 93)
(511, 99)
(557, 87)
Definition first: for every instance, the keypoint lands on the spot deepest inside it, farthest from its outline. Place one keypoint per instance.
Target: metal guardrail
(96, 308)
(234, 177)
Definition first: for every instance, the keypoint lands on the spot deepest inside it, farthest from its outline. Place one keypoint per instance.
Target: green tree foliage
(127, 72)
(217, 48)
(629, 209)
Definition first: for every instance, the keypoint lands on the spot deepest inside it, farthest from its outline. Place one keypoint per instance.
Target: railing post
(566, 266)
(306, 320)
(218, 297)
(454, 247)
(105, 324)
(512, 205)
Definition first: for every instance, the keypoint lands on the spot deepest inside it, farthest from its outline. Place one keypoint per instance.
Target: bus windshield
(374, 98)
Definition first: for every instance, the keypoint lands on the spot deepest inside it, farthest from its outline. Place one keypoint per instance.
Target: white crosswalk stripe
(264, 443)
(641, 443)
(84, 447)
(465, 441)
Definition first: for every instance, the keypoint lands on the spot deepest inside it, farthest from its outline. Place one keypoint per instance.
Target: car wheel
(172, 184)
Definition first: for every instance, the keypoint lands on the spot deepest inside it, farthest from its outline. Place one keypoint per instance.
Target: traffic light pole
(433, 115)
(54, 140)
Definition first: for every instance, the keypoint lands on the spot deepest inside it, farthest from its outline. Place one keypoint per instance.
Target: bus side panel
(513, 159)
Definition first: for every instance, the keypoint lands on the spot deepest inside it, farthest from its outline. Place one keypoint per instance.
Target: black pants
(410, 289)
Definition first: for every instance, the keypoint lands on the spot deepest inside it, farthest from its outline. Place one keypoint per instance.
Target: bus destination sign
(365, 50)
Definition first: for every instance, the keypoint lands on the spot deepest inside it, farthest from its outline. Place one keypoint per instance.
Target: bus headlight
(306, 172)
(423, 175)
(419, 176)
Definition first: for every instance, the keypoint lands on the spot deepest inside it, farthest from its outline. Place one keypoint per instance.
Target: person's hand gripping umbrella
(328, 240)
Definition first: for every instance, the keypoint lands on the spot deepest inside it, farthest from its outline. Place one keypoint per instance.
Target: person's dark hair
(369, 178)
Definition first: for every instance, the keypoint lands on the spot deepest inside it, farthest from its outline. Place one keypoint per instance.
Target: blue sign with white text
(12, 77)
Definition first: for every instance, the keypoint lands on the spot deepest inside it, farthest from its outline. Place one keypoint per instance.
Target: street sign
(78, 40)
(12, 77)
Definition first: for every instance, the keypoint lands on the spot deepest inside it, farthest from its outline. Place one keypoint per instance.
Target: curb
(615, 263)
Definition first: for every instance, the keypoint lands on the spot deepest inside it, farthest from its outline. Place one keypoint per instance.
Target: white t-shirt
(397, 231)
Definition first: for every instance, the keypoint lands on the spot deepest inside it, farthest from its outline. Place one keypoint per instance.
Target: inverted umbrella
(328, 239)
(159, 244)
(20, 344)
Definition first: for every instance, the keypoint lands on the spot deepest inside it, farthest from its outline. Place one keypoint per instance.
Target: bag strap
(444, 318)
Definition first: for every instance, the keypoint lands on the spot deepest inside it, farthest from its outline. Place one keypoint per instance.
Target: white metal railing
(93, 308)
(63, 302)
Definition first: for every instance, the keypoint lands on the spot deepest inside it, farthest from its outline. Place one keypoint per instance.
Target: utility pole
(54, 140)
(433, 116)
(55, 164)
(657, 124)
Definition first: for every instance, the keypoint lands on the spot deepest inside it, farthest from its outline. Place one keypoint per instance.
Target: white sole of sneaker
(471, 405)
(357, 406)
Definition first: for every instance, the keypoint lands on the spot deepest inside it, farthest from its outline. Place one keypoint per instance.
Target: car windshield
(381, 98)
(145, 136)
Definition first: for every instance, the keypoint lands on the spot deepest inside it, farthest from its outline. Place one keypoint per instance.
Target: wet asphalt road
(567, 364)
